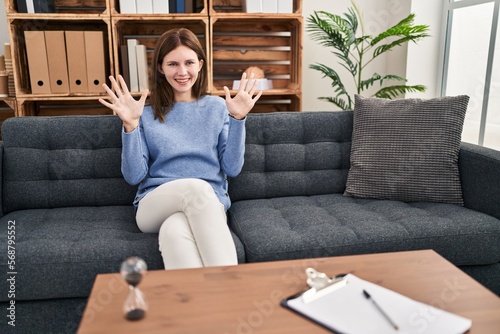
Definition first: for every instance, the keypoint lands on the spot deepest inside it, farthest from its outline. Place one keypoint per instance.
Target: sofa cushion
(60, 251)
(43, 171)
(293, 154)
(333, 225)
(407, 149)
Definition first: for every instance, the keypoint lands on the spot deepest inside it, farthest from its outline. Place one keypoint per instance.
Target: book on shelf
(172, 5)
(160, 6)
(144, 6)
(132, 62)
(44, 6)
(270, 6)
(125, 67)
(252, 6)
(180, 7)
(142, 67)
(22, 6)
(285, 6)
(128, 7)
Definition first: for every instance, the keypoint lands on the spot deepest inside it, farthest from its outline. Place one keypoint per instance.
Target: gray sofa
(62, 190)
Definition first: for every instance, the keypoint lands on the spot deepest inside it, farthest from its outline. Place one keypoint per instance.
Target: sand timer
(133, 270)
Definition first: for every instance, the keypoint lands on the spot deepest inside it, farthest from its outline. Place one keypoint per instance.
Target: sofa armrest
(480, 177)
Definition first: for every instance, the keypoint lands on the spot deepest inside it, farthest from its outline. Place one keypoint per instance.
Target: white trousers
(191, 222)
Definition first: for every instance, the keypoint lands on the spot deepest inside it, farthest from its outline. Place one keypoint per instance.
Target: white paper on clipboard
(346, 310)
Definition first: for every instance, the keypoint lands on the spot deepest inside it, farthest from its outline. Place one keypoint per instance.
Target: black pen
(369, 297)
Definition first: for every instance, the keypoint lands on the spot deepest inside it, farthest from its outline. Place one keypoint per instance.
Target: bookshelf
(233, 40)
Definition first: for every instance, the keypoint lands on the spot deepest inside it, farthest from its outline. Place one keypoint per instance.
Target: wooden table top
(246, 298)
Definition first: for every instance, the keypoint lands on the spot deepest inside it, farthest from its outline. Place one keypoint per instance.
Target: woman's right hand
(123, 103)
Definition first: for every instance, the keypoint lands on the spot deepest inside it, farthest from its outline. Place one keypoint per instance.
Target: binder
(37, 62)
(341, 305)
(95, 61)
(56, 58)
(144, 7)
(132, 62)
(142, 67)
(160, 6)
(77, 67)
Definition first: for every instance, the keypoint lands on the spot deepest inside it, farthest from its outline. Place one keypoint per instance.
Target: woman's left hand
(241, 104)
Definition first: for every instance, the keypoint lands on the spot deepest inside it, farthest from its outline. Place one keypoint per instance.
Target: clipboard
(340, 305)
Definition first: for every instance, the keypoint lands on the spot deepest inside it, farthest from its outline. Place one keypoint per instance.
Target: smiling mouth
(182, 81)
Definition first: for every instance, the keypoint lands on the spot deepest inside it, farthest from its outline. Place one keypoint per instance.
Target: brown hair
(162, 93)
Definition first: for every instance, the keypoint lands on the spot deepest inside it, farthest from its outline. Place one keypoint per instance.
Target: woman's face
(181, 67)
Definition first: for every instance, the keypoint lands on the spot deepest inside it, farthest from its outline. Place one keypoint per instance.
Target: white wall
(378, 16)
(4, 32)
(423, 62)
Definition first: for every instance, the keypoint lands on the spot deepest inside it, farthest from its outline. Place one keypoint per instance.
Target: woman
(180, 150)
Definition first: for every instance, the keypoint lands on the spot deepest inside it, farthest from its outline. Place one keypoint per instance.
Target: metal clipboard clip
(321, 285)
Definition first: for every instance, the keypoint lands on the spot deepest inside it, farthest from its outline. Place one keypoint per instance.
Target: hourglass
(133, 270)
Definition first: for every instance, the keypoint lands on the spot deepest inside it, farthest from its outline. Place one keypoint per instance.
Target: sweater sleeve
(134, 156)
(232, 146)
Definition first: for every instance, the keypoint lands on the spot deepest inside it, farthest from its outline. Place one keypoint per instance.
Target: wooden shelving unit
(233, 41)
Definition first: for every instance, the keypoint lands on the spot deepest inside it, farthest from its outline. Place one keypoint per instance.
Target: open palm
(241, 104)
(123, 103)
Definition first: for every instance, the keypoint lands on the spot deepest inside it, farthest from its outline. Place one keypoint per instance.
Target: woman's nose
(182, 70)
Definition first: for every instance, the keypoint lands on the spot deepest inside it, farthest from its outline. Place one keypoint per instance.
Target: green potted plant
(355, 52)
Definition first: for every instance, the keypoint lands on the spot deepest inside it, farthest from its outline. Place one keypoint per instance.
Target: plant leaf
(392, 92)
(342, 104)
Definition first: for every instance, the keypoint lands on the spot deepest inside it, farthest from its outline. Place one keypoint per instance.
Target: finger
(144, 96)
(123, 84)
(227, 93)
(107, 104)
(242, 82)
(254, 87)
(116, 87)
(108, 90)
(259, 94)
(250, 82)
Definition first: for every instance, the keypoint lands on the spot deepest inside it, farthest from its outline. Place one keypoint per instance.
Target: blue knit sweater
(197, 140)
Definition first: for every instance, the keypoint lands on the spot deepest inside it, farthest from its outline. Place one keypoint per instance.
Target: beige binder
(37, 62)
(95, 60)
(56, 57)
(77, 67)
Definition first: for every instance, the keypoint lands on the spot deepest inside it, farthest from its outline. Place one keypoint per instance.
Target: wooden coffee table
(246, 298)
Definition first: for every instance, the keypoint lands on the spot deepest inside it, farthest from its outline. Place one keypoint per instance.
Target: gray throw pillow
(407, 149)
